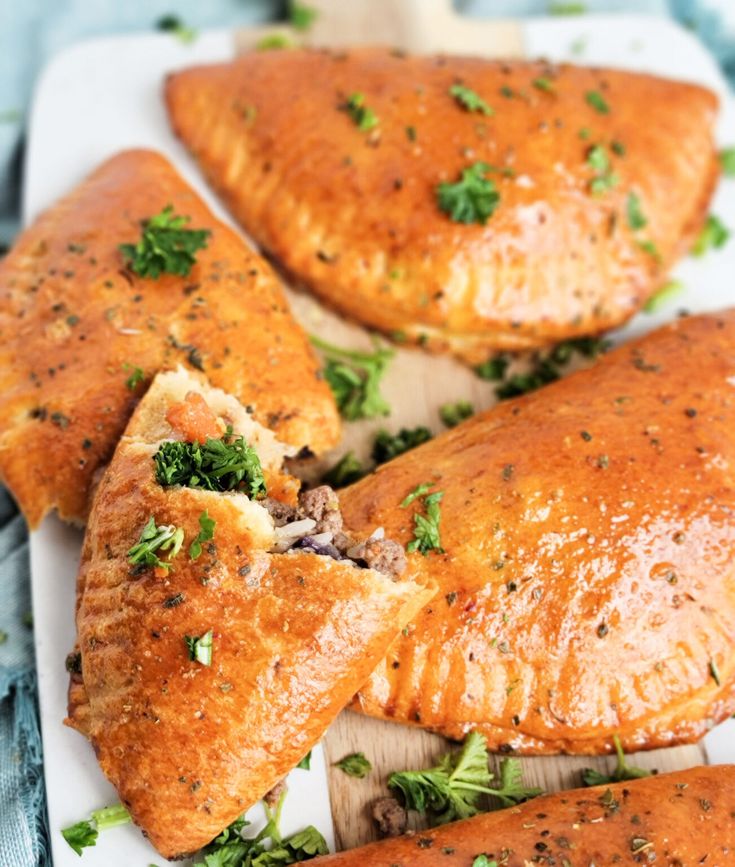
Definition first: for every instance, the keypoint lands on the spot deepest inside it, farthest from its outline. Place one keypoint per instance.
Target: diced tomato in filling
(193, 419)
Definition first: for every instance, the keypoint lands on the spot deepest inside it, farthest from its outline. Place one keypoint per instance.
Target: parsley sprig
(205, 534)
(354, 378)
(426, 535)
(167, 537)
(453, 788)
(388, 446)
(166, 246)
(348, 469)
(714, 235)
(225, 464)
(471, 199)
(364, 118)
(469, 99)
(622, 771)
(84, 834)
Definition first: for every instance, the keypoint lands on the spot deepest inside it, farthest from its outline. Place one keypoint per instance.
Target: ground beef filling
(316, 525)
(390, 817)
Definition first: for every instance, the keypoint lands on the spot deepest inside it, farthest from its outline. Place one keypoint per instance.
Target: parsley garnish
(273, 42)
(165, 246)
(355, 765)
(354, 378)
(136, 376)
(388, 446)
(714, 235)
(636, 218)
(669, 290)
(483, 861)
(206, 533)
(301, 16)
(154, 538)
(305, 763)
(622, 771)
(727, 161)
(605, 179)
(597, 101)
(347, 470)
(226, 464)
(426, 536)
(453, 413)
(472, 199)
(200, 647)
(84, 834)
(453, 788)
(649, 247)
(544, 84)
(469, 100)
(364, 117)
(173, 24)
(494, 368)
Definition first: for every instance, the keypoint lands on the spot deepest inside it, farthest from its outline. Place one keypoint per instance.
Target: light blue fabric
(30, 32)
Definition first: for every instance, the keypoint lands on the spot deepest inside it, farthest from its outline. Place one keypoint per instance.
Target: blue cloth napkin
(30, 32)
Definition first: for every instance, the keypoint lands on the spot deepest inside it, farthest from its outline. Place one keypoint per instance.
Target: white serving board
(102, 96)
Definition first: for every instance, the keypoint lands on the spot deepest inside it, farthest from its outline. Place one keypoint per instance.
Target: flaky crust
(189, 747)
(74, 323)
(674, 819)
(588, 584)
(353, 213)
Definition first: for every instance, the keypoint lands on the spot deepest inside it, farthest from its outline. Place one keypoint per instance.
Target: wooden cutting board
(416, 25)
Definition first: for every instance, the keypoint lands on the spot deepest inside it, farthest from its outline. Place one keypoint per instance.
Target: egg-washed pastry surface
(224, 619)
(82, 332)
(465, 204)
(583, 540)
(680, 818)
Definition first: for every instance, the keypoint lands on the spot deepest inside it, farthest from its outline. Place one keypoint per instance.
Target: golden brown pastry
(594, 182)
(81, 333)
(674, 819)
(205, 675)
(587, 584)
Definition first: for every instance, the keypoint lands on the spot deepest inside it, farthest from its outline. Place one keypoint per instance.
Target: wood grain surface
(416, 386)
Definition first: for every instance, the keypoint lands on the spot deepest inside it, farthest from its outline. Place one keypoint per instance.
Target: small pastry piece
(81, 333)
(215, 647)
(466, 204)
(585, 556)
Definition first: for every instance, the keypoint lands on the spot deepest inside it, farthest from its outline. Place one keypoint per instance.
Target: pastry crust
(679, 818)
(74, 323)
(588, 584)
(353, 213)
(188, 746)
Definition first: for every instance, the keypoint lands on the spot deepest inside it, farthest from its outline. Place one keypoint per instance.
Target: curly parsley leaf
(622, 771)
(714, 235)
(453, 788)
(166, 246)
(153, 538)
(80, 836)
(347, 470)
(494, 368)
(426, 535)
(471, 199)
(355, 765)
(388, 446)
(452, 414)
(205, 534)
(225, 464)
(354, 378)
(470, 100)
(363, 117)
(200, 647)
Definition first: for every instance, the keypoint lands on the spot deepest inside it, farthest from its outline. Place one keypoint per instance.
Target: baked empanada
(220, 630)
(466, 204)
(587, 579)
(81, 333)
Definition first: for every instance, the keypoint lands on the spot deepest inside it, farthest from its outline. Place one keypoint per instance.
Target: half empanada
(587, 584)
(80, 334)
(220, 632)
(581, 187)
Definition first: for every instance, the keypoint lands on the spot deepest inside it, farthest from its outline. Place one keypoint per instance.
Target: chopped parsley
(273, 42)
(714, 235)
(173, 24)
(452, 414)
(200, 647)
(205, 534)
(470, 100)
(166, 246)
(226, 464)
(544, 84)
(649, 247)
(605, 179)
(388, 446)
(426, 535)
(453, 788)
(355, 765)
(472, 199)
(136, 376)
(301, 16)
(84, 834)
(727, 161)
(354, 378)
(622, 771)
(669, 290)
(347, 470)
(483, 861)
(364, 118)
(167, 537)
(494, 368)
(636, 218)
(597, 101)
